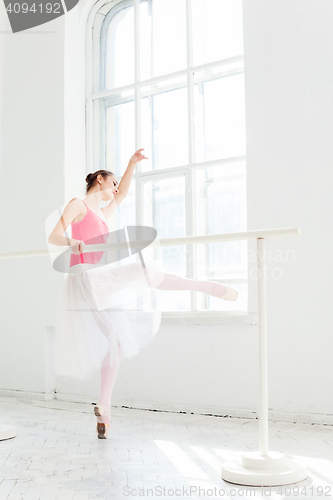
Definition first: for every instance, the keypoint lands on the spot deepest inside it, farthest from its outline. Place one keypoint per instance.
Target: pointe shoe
(102, 430)
(99, 410)
(230, 294)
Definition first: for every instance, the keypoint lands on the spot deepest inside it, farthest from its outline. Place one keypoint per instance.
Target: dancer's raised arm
(127, 177)
(124, 184)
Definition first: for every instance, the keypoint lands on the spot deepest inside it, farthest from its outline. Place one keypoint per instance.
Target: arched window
(168, 76)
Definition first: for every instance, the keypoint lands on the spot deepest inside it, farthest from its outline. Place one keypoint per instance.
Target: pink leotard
(93, 228)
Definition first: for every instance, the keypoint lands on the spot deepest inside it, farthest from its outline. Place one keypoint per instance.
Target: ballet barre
(187, 240)
(261, 468)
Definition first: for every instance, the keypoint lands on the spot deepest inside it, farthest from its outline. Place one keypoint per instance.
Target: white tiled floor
(56, 454)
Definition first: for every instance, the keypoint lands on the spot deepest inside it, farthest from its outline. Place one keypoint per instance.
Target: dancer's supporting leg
(108, 377)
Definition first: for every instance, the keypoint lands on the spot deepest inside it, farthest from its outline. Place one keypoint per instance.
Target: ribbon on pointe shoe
(102, 430)
(99, 410)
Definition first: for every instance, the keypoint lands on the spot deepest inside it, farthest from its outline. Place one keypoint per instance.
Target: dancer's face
(109, 187)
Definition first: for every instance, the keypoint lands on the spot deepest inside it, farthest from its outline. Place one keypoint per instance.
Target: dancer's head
(104, 181)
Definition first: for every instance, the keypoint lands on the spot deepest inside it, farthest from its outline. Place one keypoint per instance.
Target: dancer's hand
(138, 156)
(77, 246)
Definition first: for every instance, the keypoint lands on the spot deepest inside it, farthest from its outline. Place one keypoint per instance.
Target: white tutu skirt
(100, 308)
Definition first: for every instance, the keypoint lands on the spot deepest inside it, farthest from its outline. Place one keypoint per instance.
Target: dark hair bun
(92, 176)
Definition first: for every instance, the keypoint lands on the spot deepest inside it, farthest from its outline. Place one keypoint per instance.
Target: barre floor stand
(263, 468)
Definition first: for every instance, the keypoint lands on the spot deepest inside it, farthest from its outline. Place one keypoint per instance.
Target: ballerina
(98, 322)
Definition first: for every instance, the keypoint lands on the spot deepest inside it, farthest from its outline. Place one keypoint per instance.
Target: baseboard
(26, 395)
(247, 413)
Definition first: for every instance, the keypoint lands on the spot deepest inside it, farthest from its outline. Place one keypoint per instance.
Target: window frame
(101, 12)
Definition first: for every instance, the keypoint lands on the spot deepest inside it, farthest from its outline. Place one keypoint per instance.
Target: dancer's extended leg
(108, 377)
(105, 283)
(174, 282)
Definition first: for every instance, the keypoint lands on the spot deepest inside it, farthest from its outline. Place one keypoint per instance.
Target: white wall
(289, 81)
(31, 186)
(212, 369)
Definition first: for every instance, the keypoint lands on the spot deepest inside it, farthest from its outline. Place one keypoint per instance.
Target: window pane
(217, 30)
(164, 209)
(118, 48)
(162, 37)
(117, 123)
(126, 210)
(164, 119)
(221, 208)
(219, 118)
(123, 216)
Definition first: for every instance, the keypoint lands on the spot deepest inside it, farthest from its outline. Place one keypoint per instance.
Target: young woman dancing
(98, 322)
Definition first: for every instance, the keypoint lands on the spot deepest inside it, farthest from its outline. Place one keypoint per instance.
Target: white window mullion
(152, 107)
(138, 191)
(170, 76)
(88, 101)
(190, 249)
(102, 143)
(89, 135)
(137, 110)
